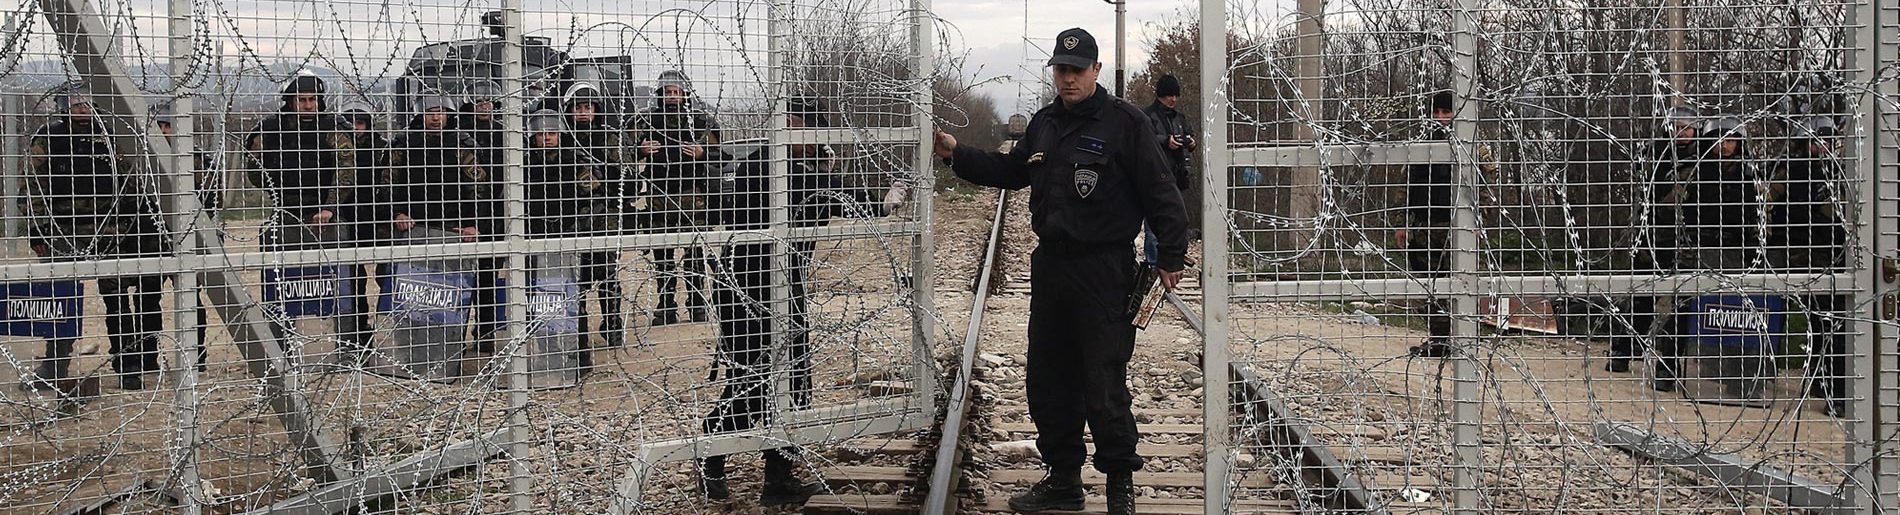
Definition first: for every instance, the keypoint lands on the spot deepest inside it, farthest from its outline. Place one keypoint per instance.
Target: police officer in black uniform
(676, 138)
(437, 180)
(1675, 160)
(746, 302)
(565, 197)
(1096, 172)
(1721, 213)
(1428, 224)
(599, 140)
(369, 213)
(1810, 238)
(304, 157)
(77, 197)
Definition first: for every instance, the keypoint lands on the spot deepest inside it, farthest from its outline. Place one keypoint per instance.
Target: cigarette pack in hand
(1146, 297)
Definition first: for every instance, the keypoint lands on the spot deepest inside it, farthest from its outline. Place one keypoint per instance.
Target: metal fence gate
(1596, 257)
(432, 257)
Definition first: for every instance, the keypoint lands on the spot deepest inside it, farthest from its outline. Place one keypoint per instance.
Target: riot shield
(1735, 340)
(427, 304)
(556, 352)
(309, 305)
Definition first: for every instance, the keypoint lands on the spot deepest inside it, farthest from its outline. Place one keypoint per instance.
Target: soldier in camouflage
(598, 140)
(305, 159)
(675, 136)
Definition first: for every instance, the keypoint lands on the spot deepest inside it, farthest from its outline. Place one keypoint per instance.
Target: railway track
(943, 475)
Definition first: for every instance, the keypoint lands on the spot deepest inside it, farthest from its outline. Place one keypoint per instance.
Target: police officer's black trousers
(746, 348)
(1080, 341)
(1428, 262)
(1827, 345)
(134, 320)
(598, 274)
(669, 272)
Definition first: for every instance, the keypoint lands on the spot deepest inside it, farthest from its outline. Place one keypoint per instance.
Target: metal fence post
(1215, 403)
(521, 446)
(12, 132)
(179, 229)
(1467, 408)
(923, 258)
(1872, 388)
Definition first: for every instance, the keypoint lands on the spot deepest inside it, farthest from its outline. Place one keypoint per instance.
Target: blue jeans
(1150, 247)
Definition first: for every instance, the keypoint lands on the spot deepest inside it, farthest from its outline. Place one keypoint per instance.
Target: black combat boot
(1060, 490)
(54, 366)
(782, 486)
(712, 478)
(1121, 493)
(1617, 365)
(665, 315)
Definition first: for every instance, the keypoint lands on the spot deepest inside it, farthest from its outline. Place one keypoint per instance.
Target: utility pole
(1121, 46)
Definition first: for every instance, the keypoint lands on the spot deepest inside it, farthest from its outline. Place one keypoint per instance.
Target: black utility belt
(1078, 248)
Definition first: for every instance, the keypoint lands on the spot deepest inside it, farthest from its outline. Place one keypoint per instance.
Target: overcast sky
(992, 32)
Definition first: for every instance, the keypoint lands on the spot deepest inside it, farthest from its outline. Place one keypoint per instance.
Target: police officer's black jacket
(1808, 215)
(306, 163)
(371, 205)
(438, 180)
(604, 143)
(1428, 192)
(1676, 164)
(488, 136)
(1169, 122)
(674, 127)
(813, 195)
(72, 181)
(1095, 172)
(1724, 207)
(563, 193)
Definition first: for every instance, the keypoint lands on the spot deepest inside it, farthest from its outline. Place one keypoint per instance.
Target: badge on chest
(1085, 181)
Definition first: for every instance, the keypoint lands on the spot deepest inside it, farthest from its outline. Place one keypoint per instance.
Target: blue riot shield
(428, 304)
(44, 309)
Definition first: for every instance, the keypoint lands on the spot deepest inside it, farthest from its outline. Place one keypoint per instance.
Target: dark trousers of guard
(488, 309)
(598, 274)
(1642, 334)
(746, 349)
(134, 320)
(1080, 341)
(1427, 259)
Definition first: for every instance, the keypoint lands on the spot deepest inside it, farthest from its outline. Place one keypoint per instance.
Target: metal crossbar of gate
(1597, 257)
(433, 257)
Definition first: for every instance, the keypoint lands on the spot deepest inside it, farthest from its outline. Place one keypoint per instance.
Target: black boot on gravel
(782, 486)
(712, 479)
(1121, 493)
(1060, 490)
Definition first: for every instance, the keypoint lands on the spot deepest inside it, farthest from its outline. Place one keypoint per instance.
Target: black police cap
(1075, 47)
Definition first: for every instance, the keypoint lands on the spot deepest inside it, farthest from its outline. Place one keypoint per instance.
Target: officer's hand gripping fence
(1526, 257)
(451, 257)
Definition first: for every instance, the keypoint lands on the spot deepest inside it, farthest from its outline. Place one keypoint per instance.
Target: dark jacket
(1428, 194)
(437, 179)
(564, 194)
(73, 190)
(1169, 122)
(1807, 218)
(1724, 208)
(1675, 164)
(304, 164)
(1095, 173)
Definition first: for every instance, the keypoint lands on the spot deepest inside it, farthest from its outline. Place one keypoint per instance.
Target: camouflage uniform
(680, 182)
(437, 180)
(83, 203)
(565, 196)
(602, 142)
(307, 164)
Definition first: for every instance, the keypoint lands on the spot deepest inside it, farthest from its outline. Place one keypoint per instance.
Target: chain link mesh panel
(455, 256)
(1511, 256)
